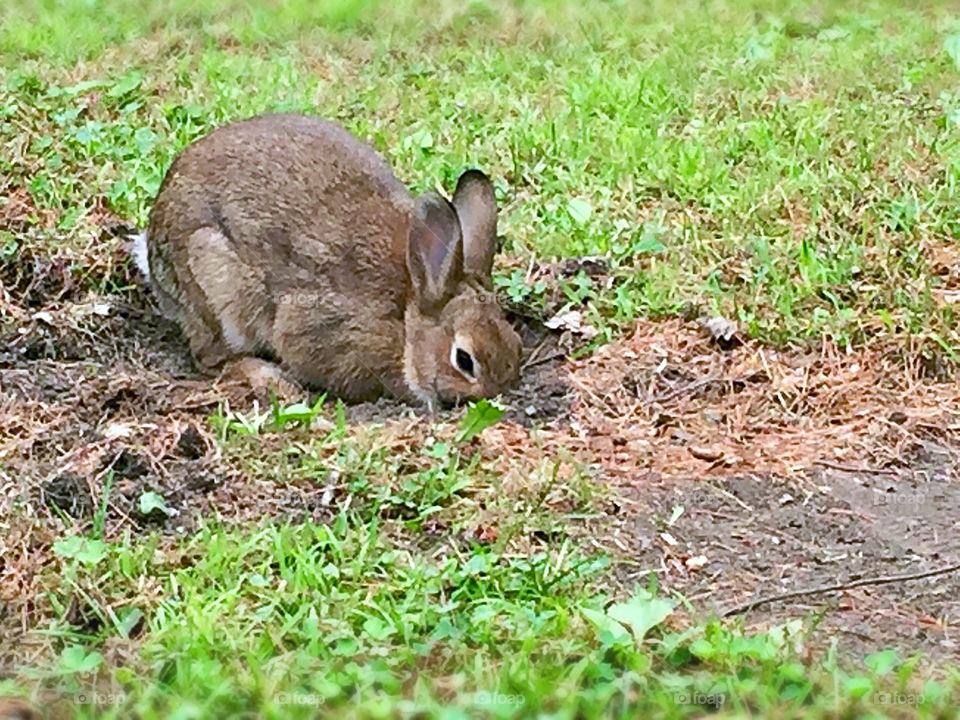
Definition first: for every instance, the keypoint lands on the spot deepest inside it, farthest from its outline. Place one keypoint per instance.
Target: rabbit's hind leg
(231, 316)
(229, 313)
(265, 378)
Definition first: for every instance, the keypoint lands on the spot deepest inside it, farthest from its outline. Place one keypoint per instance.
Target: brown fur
(283, 236)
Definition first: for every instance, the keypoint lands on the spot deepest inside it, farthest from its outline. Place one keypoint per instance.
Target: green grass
(293, 621)
(791, 165)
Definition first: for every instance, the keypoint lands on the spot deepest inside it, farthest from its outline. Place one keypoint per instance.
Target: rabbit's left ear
(434, 252)
(476, 208)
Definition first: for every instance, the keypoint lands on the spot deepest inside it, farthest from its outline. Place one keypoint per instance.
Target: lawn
(172, 552)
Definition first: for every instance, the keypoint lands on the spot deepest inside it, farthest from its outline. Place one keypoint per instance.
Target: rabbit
(286, 249)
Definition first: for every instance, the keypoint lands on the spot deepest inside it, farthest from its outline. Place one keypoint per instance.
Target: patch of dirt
(726, 542)
(667, 399)
(544, 393)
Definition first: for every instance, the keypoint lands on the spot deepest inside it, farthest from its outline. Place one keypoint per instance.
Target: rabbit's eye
(464, 362)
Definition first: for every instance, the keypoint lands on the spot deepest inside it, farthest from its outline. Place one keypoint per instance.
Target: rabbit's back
(296, 196)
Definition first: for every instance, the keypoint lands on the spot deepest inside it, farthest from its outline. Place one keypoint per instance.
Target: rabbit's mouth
(450, 401)
(443, 400)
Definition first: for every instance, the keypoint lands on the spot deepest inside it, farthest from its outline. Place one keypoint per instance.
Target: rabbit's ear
(477, 211)
(434, 252)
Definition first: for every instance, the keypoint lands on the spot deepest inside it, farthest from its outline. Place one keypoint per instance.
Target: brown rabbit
(286, 247)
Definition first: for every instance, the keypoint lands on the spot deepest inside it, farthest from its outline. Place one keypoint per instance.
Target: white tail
(138, 249)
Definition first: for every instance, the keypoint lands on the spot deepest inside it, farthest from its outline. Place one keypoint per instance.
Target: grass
(792, 166)
(295, 620)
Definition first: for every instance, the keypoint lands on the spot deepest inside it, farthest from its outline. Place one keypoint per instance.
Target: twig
(614, 411)
(544, 360)
(536, 351)
(731, 496)
(880, 580)
(859, 469)
(692, 387)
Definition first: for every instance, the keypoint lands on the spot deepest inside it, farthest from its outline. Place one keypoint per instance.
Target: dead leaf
(705, 453)
(486, 534)
(572, 321)
(722, 331)
(117, 430)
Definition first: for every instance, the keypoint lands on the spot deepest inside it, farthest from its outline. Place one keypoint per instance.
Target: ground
(729, 247)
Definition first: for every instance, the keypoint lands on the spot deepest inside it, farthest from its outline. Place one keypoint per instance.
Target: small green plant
(480, 415)
(87, 551)
(630, 621)
(278, 418)
(521, 293)
(76, 660)
(151, 502)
